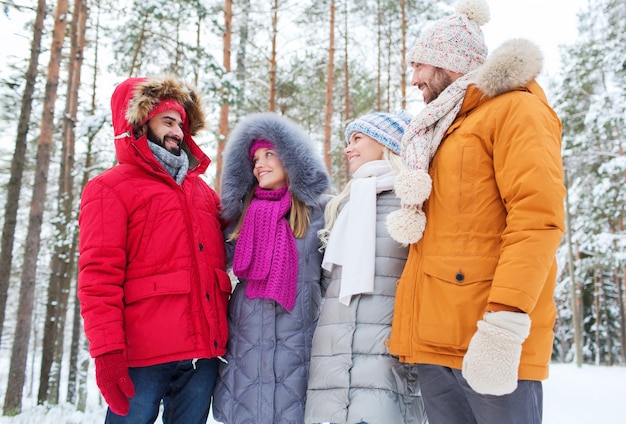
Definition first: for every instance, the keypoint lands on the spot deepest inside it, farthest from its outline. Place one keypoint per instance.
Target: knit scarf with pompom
(419, 145)
(266, 253)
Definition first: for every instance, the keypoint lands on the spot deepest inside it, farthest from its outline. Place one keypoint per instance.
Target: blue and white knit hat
(386, 128)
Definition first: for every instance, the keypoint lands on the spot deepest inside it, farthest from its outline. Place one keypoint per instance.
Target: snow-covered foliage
(592, 104)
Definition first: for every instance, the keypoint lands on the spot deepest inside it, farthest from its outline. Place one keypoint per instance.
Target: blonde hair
(299, 218)
(332, 207)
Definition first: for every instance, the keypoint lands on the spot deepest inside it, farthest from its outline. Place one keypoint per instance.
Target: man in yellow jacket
(483, 213)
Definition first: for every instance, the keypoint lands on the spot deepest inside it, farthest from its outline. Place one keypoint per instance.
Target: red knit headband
(164, 105)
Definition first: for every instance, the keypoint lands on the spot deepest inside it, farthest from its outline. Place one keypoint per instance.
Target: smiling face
(431, 80)
(362, 149)
(166, 130)
(268, 169)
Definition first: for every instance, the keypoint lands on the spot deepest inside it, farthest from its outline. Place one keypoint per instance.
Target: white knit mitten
(492, 359)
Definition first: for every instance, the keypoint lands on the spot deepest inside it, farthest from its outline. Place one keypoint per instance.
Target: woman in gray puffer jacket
(273, 186)
(353, 378)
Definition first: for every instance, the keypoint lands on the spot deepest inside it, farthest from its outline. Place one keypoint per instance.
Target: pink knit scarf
(265, 253)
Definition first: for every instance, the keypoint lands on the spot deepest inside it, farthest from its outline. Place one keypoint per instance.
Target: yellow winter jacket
(494, 220)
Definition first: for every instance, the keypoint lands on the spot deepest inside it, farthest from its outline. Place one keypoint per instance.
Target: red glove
(114, 382)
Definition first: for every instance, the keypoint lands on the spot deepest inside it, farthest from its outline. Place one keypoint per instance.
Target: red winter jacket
(152, 278)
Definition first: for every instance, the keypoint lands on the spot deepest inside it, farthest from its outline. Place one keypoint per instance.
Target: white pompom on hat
(455, 43)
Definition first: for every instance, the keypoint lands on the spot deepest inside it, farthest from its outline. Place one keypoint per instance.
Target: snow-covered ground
(572, 395)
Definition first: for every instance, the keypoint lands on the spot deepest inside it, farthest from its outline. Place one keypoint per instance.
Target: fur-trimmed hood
(133, 100)
(148, 92)
(514, 64)
(305, 169)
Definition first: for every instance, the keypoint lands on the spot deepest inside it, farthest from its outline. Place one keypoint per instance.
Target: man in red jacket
(152, 283)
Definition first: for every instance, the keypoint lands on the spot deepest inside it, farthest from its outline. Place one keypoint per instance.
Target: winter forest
(319, 62)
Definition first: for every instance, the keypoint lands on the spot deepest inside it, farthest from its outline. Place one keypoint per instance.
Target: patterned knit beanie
(386, 128)
(455, 43)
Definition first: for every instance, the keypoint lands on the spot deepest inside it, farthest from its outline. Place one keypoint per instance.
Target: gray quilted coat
(268, 351)
(353, 378)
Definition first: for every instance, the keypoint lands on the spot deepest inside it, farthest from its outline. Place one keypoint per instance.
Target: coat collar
(511, 67)
(514, 64)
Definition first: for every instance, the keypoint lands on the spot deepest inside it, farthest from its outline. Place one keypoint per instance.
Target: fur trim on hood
(132, 101)
(148, 93)
(307, 174)
(514, 64)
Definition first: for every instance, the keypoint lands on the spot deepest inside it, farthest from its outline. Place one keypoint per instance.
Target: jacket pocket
(452, 297)
(224, 282)
(155, 285)
(157, 315)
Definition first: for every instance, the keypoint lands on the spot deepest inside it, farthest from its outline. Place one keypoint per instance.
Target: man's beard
(439, 82)
(161, 141)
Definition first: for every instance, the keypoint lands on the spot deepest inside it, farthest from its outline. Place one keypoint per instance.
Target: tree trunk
(138, 46)
(379, 51)
(196, 73)
(272, 83)
(72, 379)
(73, 383)
(622, 310)
(328, 106)
(389, 50)
(63, 257)
(574, 287)
(241, 55)
(17, 163)
(85, 360)
(345, 177)
(13, 398)
(224, 107)
(177, 57)
(77, 325)
(596, 317)
(606, 322)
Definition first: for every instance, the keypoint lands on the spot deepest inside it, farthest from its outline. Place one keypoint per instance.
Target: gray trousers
(448, 399)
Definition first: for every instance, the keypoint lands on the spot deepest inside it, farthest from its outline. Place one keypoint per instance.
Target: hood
(514, 64)
(132, 101)
(305, 169)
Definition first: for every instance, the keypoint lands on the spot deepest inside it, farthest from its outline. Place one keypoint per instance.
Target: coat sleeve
(101, 267)
(229, 245)
(529, 175)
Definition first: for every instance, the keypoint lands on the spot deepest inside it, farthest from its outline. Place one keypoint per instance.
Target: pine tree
(17, 163)
(19, 353)
(591, 102)
(63, 256)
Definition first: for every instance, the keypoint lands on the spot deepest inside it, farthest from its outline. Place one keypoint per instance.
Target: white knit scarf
(419, 145)
(425, 132)
(352, 242)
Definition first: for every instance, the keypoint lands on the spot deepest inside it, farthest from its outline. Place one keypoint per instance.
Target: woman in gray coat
(273, 186)
(353, 378)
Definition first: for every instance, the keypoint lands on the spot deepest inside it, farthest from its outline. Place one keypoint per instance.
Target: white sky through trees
(548, 23)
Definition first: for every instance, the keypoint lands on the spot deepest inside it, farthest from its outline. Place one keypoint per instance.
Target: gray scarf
(176, 166)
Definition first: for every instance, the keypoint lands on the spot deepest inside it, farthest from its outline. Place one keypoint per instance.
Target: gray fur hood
(512, 65)
(308, 178)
